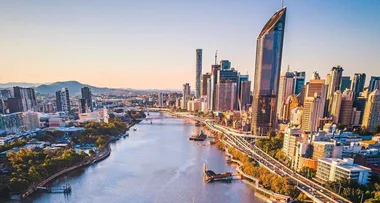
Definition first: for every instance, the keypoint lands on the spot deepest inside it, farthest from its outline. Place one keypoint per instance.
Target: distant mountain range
(21, 84)
(75, 88)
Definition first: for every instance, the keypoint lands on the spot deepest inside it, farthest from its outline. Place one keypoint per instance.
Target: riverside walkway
(102, 155)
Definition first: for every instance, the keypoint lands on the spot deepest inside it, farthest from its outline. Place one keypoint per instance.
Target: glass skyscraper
(267, 74)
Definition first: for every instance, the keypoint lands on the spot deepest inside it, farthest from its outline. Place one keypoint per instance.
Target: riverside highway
(312, 189)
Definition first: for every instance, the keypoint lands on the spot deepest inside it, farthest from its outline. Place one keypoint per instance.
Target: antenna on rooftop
(288, 68)
(216, 56)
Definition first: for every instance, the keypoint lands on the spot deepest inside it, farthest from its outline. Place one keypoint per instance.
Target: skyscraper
(186, 92)
(346, 110)
(299, 81)
(346, 83)
(371, 117)
(245, 94)
(334, 84)
(62, 99)
(214, 79)
(336, 102)
(160, 99)
(374, 83)
(267, 73)
(198, 73)
(357, 85)
(27, 97)
(204, 79)
(225, 96)
(87, 96)
(312, 112)
(285, 89)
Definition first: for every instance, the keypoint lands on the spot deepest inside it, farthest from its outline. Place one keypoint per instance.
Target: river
(156, 163)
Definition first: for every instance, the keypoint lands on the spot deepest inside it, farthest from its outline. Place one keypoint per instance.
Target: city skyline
(91, 45)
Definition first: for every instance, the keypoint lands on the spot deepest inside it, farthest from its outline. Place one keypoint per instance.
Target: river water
(156, 163)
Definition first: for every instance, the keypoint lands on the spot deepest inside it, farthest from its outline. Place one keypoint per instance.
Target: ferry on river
(200, 137)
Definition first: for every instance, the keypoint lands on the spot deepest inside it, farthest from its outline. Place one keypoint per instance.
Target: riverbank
(94, 159)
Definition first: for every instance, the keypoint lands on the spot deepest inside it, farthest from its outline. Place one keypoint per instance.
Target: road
(312, 189)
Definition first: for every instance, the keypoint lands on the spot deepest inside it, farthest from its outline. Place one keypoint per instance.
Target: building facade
(27, 97)
(371, 116)
(357, 84)
(87, 96)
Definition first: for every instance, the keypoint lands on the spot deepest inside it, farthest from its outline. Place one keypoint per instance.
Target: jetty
(210, 176)
(64, 189)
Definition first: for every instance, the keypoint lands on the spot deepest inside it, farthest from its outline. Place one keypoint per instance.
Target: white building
(333, 169)
(31, 120)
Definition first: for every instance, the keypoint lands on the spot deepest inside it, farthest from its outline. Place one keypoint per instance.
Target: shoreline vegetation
(35, 168)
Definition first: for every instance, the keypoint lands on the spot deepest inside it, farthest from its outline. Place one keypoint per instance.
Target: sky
(151, 44)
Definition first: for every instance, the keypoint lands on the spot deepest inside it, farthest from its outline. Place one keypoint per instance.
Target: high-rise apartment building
(160, 99)
(333, 85)
(336, 101)
(312, 112)
(204, 79)
(27, 97)
(186, 92)
(225, 96)
(198, 73)
(267, 74)
(346, 110)
(374, 83)
(87, 96)
(245, 94)
(357, 85)
(371, 115)
(63, 100)
(285, 89)
(291, 103)
(214, 79)
(346, 83)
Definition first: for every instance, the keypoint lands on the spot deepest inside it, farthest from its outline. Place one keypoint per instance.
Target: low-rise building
(334, 169)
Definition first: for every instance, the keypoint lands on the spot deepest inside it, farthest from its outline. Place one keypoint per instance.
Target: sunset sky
(151, 44)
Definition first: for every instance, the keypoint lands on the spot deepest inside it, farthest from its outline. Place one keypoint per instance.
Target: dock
(210, 176)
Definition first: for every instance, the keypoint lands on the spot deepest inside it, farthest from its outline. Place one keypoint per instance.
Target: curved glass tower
(267, 74)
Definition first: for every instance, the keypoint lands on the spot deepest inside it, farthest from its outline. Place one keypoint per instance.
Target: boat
(200, 137)
(126, 134)
(151, 122)
(134, 129)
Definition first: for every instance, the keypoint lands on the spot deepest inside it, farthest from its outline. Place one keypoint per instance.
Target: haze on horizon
(151, 44)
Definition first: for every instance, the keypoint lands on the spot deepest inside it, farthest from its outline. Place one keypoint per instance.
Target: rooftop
(346, 164)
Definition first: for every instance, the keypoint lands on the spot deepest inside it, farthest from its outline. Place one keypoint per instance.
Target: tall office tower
(371, 117)
(336, 101)
(285, 89)
(83, 108)
(214, 79)
(357, 85)
(346, 83)
(374, 83)
(14, 105)
(86, 95)
(186, 94)
(198, 73)
(225, 96)
(160, 99)
(225, 65)
(209, 93)
(245, 94)
(267, 74)
(27, 96)
(346, 110)
(62, 99)
(334, 84)
(312, 112)
(291, 103)
(299, 81)
(204, 79)
(230, 76)
(315, 76)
